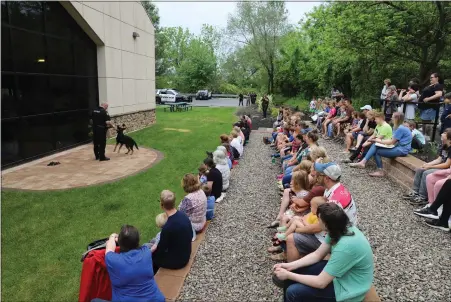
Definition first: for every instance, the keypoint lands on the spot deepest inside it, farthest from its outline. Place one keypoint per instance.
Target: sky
(192, 15)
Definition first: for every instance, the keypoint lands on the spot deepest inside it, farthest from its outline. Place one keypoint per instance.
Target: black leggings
(443, 199)
(416, 144)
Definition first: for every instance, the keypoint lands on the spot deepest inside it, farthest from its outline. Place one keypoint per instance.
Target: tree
(260, 26)
(152, 12)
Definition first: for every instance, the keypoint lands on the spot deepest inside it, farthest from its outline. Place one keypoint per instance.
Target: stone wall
(134, 121)
(402, 169)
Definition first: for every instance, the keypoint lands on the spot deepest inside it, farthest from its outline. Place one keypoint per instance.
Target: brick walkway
(78, 169)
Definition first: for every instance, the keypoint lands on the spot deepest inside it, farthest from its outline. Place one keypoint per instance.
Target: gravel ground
(412, 261)
(232, 264)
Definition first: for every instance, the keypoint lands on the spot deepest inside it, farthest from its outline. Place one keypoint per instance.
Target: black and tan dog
(122, 139)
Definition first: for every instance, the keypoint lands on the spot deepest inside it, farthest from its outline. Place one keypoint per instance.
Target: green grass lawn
(44, 234)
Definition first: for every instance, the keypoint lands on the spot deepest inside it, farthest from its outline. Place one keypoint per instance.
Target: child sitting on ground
(418, 140)
(160, 221)
(298, 222)
(300, 185)
(203, 172)
(210, 202)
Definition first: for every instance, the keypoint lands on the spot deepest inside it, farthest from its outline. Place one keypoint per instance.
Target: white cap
(366, 107)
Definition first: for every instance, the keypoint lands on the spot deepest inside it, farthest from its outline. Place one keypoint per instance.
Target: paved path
(216, 102)
(232, 263)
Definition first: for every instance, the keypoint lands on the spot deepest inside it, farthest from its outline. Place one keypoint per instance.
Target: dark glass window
(49, 80)
(26, 14)
(9, 105)
(10, 141)
(6, 50)
(55, 15)
(59, 58)
(33, 94)
(29, 51)
(36, 135)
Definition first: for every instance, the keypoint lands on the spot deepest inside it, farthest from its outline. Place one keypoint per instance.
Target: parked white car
(170, 96)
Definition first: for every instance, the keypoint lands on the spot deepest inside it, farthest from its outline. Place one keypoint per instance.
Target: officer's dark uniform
(99, 129)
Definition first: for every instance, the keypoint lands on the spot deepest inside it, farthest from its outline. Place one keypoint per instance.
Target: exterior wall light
(135, 35)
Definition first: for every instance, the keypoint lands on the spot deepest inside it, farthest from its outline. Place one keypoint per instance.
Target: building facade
(62, 59)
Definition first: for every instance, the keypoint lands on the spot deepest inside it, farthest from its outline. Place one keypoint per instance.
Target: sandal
(279, 257)
(281, 236)
(274, 249)
(274, 224)
(282, 229)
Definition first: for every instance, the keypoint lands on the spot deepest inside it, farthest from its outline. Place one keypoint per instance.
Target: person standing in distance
(100, 124)
(240, 99)
(265, 104)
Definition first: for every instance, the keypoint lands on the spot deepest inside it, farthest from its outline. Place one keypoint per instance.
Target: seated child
(203, 172)
(298, 221)
(160, 221)
(418, 140)
(210, 202)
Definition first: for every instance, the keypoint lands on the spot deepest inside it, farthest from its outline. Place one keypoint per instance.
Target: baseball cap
(304, 131)
(330, 169)
(366, 107)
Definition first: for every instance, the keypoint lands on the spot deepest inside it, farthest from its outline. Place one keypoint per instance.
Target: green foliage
(45, 233)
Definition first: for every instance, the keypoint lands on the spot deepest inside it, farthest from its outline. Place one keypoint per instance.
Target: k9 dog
(122, 139)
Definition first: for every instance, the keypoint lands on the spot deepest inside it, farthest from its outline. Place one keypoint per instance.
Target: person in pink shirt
(435, 181)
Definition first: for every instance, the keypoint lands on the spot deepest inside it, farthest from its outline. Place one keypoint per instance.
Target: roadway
(216, 102)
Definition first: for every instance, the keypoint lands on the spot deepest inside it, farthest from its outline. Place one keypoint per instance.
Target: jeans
(428, 114)
(289, 170)
(419, 182)
(287, 157)
(286, 179)
(330, 130)
(99, 300)
(443, 199)
(297, 292)
(379, 152)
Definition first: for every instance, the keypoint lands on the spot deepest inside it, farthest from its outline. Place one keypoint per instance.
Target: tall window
(49, 80)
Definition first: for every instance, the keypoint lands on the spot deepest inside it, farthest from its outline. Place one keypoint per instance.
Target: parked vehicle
(203, 95)
(163, 96)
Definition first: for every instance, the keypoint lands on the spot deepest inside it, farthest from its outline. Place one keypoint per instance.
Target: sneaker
(409, 196)
(418, 201)
(437, 224)
(220, 198)
(426, 212)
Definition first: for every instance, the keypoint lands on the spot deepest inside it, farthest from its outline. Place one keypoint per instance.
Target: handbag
(95, 245)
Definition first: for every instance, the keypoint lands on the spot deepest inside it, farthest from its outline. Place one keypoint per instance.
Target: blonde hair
(234, 134)
(237, 129)
(317, 152)
(203, 169)
(190, 183)
(378, 114)
(161, 220)
(305, 165)
(300, 181)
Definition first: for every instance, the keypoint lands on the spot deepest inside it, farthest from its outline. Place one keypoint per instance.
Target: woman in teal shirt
(346, 276)
(402, 139)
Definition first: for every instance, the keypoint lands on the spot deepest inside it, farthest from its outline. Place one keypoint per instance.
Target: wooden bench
(170, 282)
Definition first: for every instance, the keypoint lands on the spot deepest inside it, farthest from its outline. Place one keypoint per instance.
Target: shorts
(306, 243)
(428, 114)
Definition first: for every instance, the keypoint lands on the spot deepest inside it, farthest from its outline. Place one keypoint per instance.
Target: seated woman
(194, 204)
(333, 114)
(174, 249)
(240, 133)
(224, 149)
(130, 270)
(220, 160)
(356, 130)
(236, 142)
(381, 130)
(311, 138)
(330, 111)
(346, 276)
(402, 140)
(435, 181)
(431, 212)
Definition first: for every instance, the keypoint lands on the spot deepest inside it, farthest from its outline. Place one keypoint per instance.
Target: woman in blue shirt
(402, 140)
(130, 270)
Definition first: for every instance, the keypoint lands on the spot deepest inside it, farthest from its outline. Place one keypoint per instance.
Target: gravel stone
(412, 261)
(232, 264)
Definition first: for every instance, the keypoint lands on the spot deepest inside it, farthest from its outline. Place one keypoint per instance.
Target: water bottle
(273, 160)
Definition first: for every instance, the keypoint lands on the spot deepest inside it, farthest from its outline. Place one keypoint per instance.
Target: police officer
(100, 124)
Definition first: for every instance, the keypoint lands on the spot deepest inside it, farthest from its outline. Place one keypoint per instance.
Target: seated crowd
(131, 266)
(316, 225)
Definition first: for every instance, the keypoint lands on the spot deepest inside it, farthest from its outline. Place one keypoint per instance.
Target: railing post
(437, 113)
